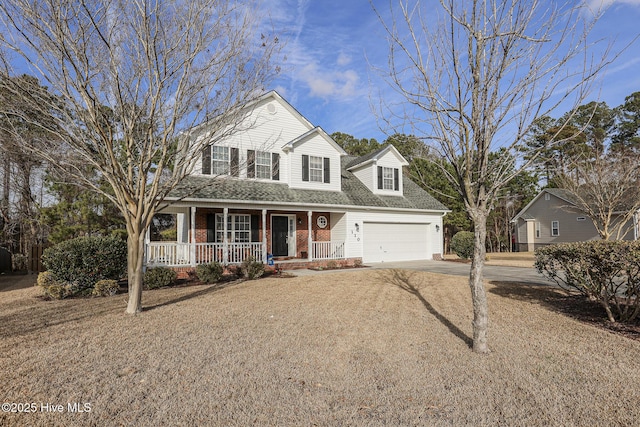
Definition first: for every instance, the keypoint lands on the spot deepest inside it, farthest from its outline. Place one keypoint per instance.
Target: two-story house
(284, 187)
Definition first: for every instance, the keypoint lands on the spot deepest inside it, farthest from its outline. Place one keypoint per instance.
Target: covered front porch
(203, 236)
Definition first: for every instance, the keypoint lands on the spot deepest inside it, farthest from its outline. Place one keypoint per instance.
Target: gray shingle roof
(354, 192)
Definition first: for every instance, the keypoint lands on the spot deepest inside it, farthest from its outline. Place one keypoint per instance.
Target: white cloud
(329, 83)
(343, 59)
(595, 6)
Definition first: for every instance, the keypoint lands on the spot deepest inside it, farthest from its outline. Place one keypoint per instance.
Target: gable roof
(315, 131)
(560, 193)
(354, 193)
(375, 155)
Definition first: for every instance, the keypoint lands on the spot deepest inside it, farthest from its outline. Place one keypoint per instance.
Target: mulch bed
(580, 308)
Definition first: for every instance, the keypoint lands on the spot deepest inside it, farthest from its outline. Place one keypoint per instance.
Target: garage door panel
(394, 242)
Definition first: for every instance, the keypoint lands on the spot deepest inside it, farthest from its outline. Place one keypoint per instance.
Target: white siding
(367, 175)
(265, 131)
(388, 160)
(338, 227)
(315, 145)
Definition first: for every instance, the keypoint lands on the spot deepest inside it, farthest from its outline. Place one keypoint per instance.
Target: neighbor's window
(263, 165)
(315, 169)
(220, 160)
(537, 230)
(555, 228)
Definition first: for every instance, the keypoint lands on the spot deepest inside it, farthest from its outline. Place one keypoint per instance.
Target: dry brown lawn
(350, 348)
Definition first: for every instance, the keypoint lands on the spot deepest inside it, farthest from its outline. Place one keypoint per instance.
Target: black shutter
(305, 167)
(275, 166)
(211, 228)
(255, 228)
(206, 160)
(379, 177)
(396, 179)
(251, 164)
(327, 169)
(235, 160)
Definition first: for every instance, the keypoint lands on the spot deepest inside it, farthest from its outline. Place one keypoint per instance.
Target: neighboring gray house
(286, 188)
(553, 217)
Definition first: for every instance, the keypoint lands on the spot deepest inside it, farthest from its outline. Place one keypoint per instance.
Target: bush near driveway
(462, 244)
(86, 260)
(604, 271)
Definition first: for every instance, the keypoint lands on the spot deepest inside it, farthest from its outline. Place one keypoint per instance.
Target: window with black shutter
(251, 164)
(305, 167)
(211, 228)
(275, 166)
(235, 162)
(206, 160)
(396, 179)
(327, 168)
(255, 228)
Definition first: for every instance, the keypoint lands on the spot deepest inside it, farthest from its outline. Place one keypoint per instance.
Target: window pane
(315, 169)
(220, 160)
(263, 165)
(387, 178)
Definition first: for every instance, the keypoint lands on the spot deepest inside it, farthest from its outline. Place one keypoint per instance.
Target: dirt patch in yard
(370, 347)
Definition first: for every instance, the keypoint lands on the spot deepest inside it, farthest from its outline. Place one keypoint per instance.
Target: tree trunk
(135, 259)
(476, 283)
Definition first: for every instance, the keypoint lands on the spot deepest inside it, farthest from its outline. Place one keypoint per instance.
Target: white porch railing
(237, 252)
(174, 254)
(170, 254)
(327, 250)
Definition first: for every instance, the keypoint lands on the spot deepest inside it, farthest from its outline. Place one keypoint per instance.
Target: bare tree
(607, 189)
(135, 77)
(476, 81)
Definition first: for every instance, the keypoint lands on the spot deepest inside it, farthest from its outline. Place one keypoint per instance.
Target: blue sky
(331, 45)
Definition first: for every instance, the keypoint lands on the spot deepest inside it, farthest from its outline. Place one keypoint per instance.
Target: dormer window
(316, 169)
(388, 178)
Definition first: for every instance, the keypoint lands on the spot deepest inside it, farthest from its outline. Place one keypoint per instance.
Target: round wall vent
(271, 108)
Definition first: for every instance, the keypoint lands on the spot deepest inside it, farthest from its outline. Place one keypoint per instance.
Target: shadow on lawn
(572, 304)
(207, 290)
(404, 280)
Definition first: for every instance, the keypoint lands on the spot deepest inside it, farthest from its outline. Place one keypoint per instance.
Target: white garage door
(383, 242)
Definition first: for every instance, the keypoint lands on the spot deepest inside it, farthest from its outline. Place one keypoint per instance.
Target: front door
(280, 235)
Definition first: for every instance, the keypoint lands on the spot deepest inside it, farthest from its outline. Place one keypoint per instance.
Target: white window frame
(220, 160)
(238, 228)
(263, 165)
(555, 228)
(387, 178)
(316, 169)
(538, 230)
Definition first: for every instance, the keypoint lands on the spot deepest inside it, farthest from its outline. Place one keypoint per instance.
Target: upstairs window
(555, 228)
(263, 165)
(388, 178)
(316, 169)
(218, 160)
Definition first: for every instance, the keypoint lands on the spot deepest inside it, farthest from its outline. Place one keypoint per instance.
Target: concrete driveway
(491, 272)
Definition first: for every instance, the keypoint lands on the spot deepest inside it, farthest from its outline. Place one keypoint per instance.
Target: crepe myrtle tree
(132, 79)
(471, 77)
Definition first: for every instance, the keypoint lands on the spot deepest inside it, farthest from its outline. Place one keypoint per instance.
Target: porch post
(192, 246)
(309, 237)
(147, 241)
(225, 240)
(264, 236)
